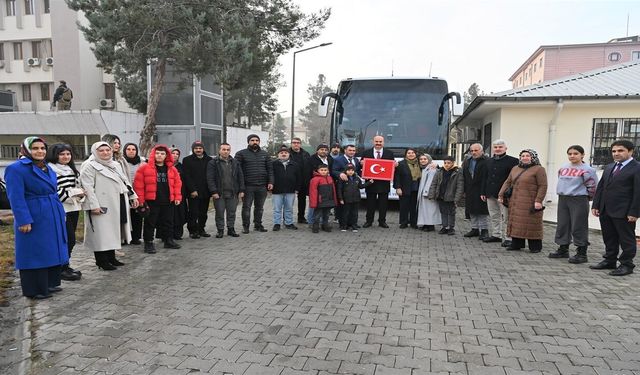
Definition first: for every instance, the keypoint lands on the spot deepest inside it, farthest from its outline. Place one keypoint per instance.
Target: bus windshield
(404, 111)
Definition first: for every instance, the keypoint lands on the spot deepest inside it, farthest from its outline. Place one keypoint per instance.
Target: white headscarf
(111, 164)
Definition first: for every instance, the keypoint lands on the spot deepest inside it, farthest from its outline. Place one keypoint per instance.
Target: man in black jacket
(258, 180)
(195, 173)
(287, 178)
(617, 204)
(299, 156)
(498, 168)
(226, 184)
(378, 191)
(475, 174)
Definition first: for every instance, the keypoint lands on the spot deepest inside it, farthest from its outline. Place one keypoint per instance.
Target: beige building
(591, 109)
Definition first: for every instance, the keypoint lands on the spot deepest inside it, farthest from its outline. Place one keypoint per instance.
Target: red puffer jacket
(145, 182)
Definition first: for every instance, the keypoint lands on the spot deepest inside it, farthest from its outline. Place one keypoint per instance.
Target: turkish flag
(378, 169)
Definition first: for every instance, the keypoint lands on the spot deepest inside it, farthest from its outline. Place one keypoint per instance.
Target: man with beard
(299, 156)
(195, 175)
(258, 179)
(320, 157)
(335, 151)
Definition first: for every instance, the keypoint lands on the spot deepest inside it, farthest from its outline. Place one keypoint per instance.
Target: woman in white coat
(428, 210)
(109, 197)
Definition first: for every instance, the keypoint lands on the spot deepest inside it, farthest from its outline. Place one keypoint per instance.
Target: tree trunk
(149, 130)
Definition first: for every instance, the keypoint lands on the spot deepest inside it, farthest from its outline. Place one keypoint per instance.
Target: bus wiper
(366, 127)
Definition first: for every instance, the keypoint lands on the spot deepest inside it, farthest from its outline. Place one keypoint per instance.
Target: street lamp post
(293, 82)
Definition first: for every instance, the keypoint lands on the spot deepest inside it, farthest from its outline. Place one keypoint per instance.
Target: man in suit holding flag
(617, 204)
(378, 191)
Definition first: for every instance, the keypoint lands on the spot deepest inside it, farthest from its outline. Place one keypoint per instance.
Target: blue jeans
(281, 201)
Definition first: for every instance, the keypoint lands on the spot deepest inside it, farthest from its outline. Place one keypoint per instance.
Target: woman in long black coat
(180, 211)
(407, 183)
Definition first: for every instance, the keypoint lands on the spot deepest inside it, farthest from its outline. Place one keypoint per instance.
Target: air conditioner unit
(49, 61)
(33, 61)
(107, 103)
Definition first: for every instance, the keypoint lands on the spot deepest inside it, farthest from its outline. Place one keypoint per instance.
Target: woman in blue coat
(39, 220)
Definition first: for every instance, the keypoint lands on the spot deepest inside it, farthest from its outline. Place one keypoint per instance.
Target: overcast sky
(461, 41)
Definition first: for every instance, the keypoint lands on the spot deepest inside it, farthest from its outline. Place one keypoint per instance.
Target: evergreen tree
(223, 38)
(278, 134)
(317, 127)
(472, 92)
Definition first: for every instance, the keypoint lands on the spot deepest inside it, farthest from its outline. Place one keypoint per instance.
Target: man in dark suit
(617, 204)
(378, 191)
(301, 157)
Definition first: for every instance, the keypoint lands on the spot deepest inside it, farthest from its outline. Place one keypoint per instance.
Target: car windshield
(404, 111)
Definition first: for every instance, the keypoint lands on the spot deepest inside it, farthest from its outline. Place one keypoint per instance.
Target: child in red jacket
(322, 197)
(158, 184)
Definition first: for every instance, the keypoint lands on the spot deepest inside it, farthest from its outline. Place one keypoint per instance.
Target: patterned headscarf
(25, 147)
(534, 158)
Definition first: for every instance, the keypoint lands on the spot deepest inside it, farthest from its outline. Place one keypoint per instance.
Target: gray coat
(428, 210)
(455, 188)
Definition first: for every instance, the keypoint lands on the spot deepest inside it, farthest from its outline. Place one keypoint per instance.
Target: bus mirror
(457, 105)
(323, 107)
(325, 102)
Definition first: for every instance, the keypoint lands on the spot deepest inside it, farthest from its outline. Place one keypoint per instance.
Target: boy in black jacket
(349, 198)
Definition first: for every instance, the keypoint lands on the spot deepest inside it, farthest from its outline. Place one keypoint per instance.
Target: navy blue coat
(34, 200)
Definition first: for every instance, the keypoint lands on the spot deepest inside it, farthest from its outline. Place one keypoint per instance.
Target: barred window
(606, 131)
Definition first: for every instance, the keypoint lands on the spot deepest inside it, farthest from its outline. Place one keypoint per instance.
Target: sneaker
(443, 231)
(291, 226)
(451, 231)
(354, 230)
(343, 229)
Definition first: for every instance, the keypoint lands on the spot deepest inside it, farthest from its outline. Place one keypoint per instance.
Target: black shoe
(451, 231)
(232, 233)
(356, 227)
(260, 228)
(302, 221)
(276, 227)
(177, 238)
(195, 236)
(562, 252)
(403, 226)
(580, 257)
(149, 248)
(472, 233)
(171, 244)
(291, 226)
(55, 289)
(245, 230)
(620, 271)
(513, 248)
(413, 226)
(491, 239)
(68, 275)
(443, 231)
(40, 296)
(106, 266)
(220, 234)
(535, 250)
(604, 265)
(75, 271)
(326, 227)
(204, 234)
(484, 233)
(111, 257)
(315, 228)
(506, 243)
(367, 225)
(383, 225)
(135, 242)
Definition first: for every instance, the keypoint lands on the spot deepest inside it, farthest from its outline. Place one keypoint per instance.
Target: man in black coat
(475, 174)
(378, 191)
(258, 180)
(498, 168)
(617, 204)
(226, 184)
(320, 157)
(287, 178)
(298, 155)
(195, 177)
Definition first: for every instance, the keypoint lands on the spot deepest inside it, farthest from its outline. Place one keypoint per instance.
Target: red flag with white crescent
(378, 169)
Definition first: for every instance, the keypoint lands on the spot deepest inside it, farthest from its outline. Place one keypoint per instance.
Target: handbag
(509, 192)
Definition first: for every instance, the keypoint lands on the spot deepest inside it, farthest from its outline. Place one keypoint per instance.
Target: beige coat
(103, 188)
(529, 188)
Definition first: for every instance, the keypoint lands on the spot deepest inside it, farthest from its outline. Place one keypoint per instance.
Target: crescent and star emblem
(372, 169)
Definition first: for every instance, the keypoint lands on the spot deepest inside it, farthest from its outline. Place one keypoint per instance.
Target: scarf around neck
(414, 168)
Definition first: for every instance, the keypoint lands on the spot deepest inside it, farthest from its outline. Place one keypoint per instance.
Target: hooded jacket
(195, 172)
(322, 192)
(145, 183)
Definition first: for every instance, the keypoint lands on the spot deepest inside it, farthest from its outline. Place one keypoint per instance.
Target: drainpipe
(552, 176)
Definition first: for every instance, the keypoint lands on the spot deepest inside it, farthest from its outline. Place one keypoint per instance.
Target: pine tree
(317, 127)
(472, 92)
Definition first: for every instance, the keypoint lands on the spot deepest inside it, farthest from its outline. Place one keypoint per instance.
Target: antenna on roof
(627, 23)
(430, 66)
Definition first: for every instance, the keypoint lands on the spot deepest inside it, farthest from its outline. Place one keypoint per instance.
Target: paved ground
(376, 302)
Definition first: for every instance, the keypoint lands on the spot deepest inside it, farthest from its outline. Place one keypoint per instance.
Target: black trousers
(39, 280)
(377, 201)
(349, 216)
(618, 234)
(256, 196)
(409, 208)
(533, 244)
(71, 223)
(197, 217)
(302, 205)
(136, 224)
(179, 219)
(161, 218)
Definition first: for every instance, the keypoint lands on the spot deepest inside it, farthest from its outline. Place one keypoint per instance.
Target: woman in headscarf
(39, 221)
(134, 161)
(109, 198)
(406, 182)
(428, 209)
(116, 147)
(60, 158)
(528, 184)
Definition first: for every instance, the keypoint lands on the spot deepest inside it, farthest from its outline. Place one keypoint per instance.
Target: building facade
(40, 44)
(555, 61)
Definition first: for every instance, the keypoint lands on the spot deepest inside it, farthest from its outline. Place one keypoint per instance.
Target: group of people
(126, 197)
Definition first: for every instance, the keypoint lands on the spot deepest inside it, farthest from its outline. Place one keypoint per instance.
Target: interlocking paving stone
(375, 302)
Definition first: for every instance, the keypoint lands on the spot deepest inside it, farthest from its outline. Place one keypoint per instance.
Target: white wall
(127, 126)
(237, 138)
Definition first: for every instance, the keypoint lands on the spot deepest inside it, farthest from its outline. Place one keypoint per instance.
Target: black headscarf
(134, 160)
